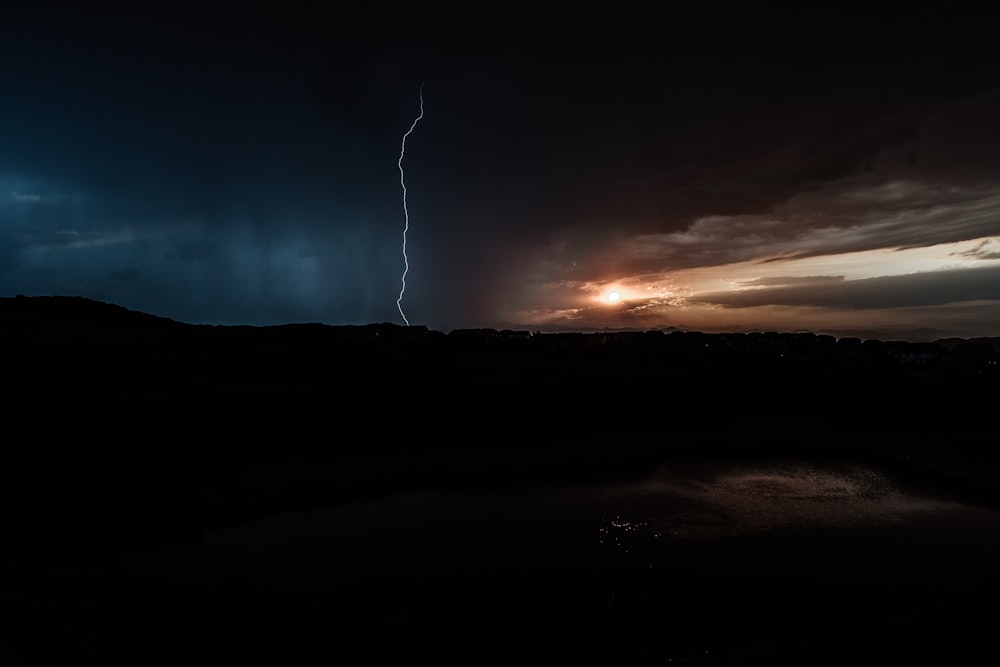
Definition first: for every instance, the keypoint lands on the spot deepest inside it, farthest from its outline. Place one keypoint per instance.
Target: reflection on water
(696, 563)
(546, 524)
(712, 501)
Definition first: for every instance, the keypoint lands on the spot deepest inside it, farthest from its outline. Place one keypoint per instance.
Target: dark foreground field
(368, 495)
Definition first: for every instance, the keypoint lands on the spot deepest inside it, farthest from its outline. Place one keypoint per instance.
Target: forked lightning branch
(406, 213)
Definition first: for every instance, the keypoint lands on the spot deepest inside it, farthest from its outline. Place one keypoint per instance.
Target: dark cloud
(918, 289)
(771, 281)
(852, 215)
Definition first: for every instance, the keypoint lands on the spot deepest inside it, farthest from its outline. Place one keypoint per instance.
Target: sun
(613, 296)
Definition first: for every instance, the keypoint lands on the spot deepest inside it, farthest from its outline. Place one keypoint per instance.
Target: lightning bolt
(406, 213)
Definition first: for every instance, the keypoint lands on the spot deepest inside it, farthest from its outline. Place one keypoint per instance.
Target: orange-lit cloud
(824, 258)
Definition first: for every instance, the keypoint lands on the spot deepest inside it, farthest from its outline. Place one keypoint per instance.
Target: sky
(709, 167)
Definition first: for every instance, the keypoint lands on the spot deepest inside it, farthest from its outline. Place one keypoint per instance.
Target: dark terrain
(131, 441)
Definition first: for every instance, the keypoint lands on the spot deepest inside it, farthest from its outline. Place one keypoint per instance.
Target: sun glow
(614, 296)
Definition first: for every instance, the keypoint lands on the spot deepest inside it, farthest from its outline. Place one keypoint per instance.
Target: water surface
(704, 562)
